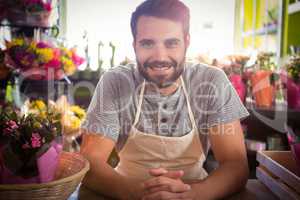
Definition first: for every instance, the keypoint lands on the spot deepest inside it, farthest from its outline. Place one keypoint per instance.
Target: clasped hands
(166, 185)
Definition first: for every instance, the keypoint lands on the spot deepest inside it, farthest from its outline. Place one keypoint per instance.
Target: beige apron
(144, 151)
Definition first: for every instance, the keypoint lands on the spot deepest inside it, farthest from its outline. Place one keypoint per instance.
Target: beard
(163, 80)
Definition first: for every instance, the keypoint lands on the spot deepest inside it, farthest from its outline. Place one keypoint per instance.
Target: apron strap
(191, 115)
(139, 106)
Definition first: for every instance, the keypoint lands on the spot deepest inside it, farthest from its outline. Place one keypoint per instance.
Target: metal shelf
(294, 7)
(271, 29)
(27, 26)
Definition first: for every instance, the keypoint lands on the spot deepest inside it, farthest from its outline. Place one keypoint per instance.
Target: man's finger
(165, 196)
(170, 174)
(169, 188)
(158, 171)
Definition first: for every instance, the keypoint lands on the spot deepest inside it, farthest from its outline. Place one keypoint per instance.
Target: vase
(262, 89)
(293, 94)
(239, 85)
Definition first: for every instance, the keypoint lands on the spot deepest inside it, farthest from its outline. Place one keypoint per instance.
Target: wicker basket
(71, 170)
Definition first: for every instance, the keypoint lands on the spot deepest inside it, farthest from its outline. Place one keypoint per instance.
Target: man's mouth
(159, 68)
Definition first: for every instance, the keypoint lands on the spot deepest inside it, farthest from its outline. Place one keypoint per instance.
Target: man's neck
(166, 91)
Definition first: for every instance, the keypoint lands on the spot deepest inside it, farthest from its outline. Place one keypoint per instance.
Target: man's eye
(172, 44)
(147, 45)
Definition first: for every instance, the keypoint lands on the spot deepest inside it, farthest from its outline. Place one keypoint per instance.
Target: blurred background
(58, 49)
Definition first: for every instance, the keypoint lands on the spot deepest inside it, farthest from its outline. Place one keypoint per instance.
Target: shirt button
(165, 106)
(163, 120)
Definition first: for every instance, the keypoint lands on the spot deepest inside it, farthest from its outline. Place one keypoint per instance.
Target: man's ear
(133, 45)
(187, 40)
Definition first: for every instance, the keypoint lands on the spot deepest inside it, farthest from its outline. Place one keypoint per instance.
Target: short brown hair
(173, 10)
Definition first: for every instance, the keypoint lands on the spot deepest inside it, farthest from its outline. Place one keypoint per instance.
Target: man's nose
(160, 53)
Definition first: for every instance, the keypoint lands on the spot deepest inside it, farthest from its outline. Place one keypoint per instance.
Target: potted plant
(262, 88)
(30, 144)
(292, 81)
(233, 65)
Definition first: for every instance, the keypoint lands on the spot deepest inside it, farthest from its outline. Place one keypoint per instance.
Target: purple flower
(35, 140)
(42, 45)
(24, 59)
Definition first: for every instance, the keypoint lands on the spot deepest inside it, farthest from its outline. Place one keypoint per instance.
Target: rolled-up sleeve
(224, 105)
(102, 115)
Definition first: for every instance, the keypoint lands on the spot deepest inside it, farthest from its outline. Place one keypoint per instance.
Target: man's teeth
(160, 68)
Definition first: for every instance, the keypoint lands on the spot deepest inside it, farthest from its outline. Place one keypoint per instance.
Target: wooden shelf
(294, 7)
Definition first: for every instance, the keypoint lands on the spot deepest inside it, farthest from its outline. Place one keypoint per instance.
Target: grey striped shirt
(112, 109)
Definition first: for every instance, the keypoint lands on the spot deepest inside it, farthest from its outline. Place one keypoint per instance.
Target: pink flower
(77, 59)
(12, 124)
(35, 140)
(54, 63)
(47, 7)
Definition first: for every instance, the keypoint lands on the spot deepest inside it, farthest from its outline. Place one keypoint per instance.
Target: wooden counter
(254, 190)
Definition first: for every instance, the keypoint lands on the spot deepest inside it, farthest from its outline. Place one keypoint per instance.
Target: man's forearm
(105, 180)
(227, 179)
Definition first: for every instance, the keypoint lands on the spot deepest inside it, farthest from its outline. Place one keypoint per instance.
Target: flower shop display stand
(44, 89)
(279, 172)
(71, 170)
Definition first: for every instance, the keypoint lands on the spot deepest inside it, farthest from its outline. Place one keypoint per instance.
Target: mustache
(156, 63)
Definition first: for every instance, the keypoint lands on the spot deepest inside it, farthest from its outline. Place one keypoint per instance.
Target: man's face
(160, 50)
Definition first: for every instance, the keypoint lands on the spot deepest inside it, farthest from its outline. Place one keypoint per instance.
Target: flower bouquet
(30, 145)
(41, 60)
(292, 81)
(71, 115)
(29, 12)
(262, 89)
(233, 66)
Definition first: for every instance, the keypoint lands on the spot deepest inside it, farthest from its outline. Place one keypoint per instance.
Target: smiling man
(162, 115)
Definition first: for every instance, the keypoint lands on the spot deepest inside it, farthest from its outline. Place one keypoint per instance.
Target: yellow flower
(75, 122)
(68, 66)
(70, 123)
(79, 112)
(46, 54)
(32, 45)
(43, 115)
(67, 52)
(16, 42)
(38, 104)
